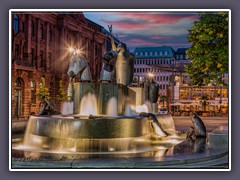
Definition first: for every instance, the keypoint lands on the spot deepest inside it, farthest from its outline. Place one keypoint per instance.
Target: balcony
(23, 64)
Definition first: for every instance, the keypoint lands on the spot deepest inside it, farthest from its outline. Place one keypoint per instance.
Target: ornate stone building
(40, 43)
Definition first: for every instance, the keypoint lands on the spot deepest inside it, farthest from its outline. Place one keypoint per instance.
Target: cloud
(149, 28)
(140, 42)
(158, 18)
(128, 24)
(142, 20)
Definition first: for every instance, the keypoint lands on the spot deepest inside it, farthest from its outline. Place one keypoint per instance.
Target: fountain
(99, 125)
(104, 121)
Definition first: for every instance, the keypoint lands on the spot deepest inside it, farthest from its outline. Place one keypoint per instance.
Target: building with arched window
(40, 43)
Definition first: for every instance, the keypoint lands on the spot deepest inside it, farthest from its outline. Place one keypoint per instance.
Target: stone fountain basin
(81, 134)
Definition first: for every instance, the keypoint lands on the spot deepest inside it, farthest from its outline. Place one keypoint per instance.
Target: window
(50, 60)
(96, 50)
(41, 59)
(17, 51)
(16, 22)
(32, 55)
(146, 53)
(33, 92)
(161, 53)
(165, 53)
(32, 28)
(41, 32)
(18, 88)
(51, 90)
(136, 54)
(23, 26)
(50, 35)
(156, 53)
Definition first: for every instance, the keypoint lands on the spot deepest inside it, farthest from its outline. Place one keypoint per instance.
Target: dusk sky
(147, 28)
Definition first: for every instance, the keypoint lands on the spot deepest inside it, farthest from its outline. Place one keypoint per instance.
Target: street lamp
(78, 51)
(71, 49)
(151, 75)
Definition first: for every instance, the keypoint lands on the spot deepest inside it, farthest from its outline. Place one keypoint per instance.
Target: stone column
(28, 38)
(47, 48)
(38, 43)
(61, 51)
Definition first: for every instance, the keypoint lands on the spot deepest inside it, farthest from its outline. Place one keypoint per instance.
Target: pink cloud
(139, 42)
(145, 20)
(122, 35)
(156, 18)
(127, 25)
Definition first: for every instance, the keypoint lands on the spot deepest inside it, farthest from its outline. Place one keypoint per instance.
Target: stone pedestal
(218, 138)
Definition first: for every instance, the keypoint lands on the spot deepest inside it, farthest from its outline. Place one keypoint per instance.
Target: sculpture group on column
(119, 59)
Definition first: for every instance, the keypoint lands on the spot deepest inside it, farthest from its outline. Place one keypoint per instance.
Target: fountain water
(112, 107)
(88, 105)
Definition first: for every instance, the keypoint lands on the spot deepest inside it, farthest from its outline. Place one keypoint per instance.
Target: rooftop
(154, 52)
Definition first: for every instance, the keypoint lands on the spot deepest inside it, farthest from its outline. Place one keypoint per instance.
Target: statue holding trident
(122, 60)
(109, 61)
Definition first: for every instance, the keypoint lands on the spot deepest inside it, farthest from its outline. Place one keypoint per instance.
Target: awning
(177, 104)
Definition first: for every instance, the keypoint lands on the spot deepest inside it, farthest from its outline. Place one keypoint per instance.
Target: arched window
(32, 28)
(51, 90)
(18, 88)
(50, 35)
(33, 92)
(41, 32)
(16, 22)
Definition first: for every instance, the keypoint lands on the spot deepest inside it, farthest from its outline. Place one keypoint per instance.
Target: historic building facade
(40, 43)
(145, 57)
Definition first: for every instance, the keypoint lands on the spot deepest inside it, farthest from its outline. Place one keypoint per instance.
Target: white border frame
(112, 10)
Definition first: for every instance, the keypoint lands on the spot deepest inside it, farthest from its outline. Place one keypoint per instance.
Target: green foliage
(164, 98)
(209, 50)
(43, 91)
(62, 96)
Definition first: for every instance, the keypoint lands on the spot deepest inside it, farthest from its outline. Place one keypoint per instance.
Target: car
(163, 110)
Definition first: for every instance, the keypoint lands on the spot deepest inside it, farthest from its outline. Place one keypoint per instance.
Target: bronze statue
(156, 125)
(47, 108)
(124, 62)
(151, 93)
(198, 129)
(108, 70)
(79, 67)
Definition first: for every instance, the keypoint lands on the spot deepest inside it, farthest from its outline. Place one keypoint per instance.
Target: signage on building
(176, 92)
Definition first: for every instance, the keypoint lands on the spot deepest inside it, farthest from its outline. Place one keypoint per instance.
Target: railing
(23, 63)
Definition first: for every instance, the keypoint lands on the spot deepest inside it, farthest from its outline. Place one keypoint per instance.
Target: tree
(204, 102)
(43, 91)
(209, 50)
(163, 98)
(62, 94)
